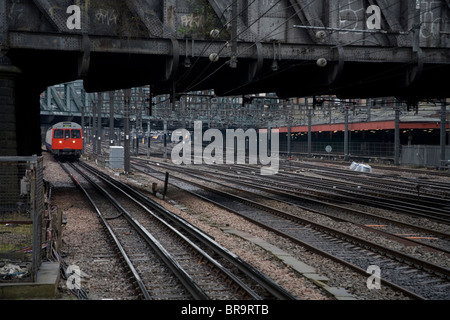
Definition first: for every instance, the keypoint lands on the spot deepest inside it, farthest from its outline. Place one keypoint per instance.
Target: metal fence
(356, 149)
(21, 217)
(423, 156)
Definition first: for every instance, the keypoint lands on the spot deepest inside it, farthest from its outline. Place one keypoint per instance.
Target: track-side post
(83, 129)
(289, 141)
(99, 124)
(127, 99)
(397, 135)
(309, 127)
(165, 140)
(149, 138)
(346, 155)
(166, 182)
(443, 132)
(111, 118)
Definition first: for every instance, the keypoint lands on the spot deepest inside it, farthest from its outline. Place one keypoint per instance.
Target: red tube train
(65, 140)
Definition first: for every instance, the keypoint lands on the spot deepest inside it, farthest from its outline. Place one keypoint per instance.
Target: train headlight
(60, 141)
(74, 141)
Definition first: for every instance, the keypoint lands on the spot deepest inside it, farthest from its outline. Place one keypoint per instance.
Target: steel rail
(171, 262)
(191, 244)
(267, 283)
(358, 240)
(398, 256)
(294, 194)
(194, 289)
(298, 197)
(376, 177)
(117, 243)
(438, 214)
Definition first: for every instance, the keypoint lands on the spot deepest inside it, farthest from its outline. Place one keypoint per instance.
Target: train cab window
(66, 134)
(58, 134)
(76, 134)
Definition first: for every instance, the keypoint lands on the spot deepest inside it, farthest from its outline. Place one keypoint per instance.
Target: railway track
(414, 277)
(174, 260)
(396, 170)
(431, 207)
(243, 180)
(422, 197)
(420, 188)
(403, 232)
(362, 192)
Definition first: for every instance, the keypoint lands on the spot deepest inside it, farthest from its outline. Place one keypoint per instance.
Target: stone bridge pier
(19, 112)
(8, 126)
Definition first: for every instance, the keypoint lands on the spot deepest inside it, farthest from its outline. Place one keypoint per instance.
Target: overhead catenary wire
(233, 39)
(196, 82)
(343, 29)
(248, 48)
(383, 74)
(370, 78)
(254, 43)
(225, 26)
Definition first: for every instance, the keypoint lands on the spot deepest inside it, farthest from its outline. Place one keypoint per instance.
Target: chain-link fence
(21, 217)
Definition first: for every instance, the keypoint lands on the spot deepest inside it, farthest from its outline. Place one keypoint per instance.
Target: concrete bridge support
(8, 128)
(19, 113)
(28, 120)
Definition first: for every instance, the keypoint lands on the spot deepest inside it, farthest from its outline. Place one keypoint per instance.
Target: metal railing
(357, 149)
(21, 217)
(424, 155)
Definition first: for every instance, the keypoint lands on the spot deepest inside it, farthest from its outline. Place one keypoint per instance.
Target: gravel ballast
(103, 276)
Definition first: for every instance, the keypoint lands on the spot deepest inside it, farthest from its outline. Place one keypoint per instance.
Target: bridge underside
(347, 78)
(171, 45)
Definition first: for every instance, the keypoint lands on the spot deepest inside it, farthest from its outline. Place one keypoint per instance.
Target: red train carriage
(65, 140)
